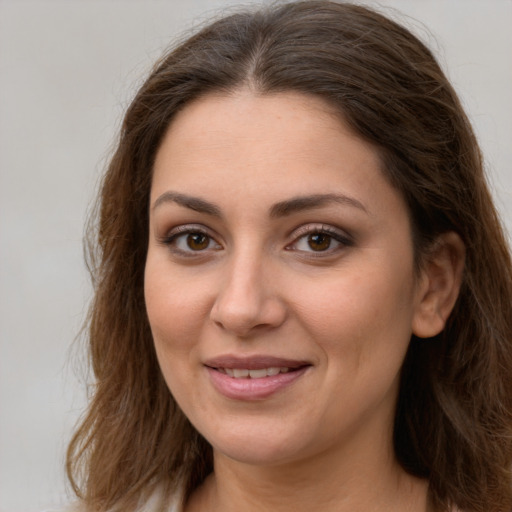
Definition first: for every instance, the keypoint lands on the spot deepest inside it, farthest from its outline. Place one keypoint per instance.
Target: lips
(246, 373)
(254, 362)
(253, 378)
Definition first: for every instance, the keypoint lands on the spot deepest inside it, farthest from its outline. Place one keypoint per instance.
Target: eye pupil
(197, 241)
(319, 241)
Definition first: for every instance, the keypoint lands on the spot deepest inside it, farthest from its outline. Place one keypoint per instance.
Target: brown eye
(187, 240)
(319, 241)
(197, 241)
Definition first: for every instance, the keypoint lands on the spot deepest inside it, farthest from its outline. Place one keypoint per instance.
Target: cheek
(368, 292)
(176, 307)
(174, 314)
(362, 314)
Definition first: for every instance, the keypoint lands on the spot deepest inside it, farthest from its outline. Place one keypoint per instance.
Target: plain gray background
(67, 72)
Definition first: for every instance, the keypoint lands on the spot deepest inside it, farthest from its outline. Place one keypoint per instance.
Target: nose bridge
(245, 270)
(247, 297)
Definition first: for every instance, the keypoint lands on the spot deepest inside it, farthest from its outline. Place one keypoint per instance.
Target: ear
(439, 285)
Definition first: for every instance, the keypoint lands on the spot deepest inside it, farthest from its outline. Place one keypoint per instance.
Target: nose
(248, 300)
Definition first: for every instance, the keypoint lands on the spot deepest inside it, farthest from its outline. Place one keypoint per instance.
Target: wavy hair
(453, 422)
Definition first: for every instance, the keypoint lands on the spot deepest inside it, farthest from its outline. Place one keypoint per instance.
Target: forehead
(244, 129)
(268, 148)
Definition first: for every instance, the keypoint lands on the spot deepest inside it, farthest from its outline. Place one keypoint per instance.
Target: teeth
(244, 373)
(258, 374)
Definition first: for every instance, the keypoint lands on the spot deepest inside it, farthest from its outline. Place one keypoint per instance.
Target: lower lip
(252, 389)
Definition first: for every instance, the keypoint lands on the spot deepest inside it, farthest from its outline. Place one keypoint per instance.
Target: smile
(254, 378)
(245, 373)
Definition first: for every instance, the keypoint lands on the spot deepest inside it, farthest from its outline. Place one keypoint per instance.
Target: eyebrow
(193, 203)
(300, 203)
(281, 209)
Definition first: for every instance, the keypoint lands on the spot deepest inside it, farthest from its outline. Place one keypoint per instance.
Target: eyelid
(320, 227)
(342, 238)
(183, 229)
(339, 235)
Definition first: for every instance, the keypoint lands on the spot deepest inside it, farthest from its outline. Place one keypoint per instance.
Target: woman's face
(279, 279)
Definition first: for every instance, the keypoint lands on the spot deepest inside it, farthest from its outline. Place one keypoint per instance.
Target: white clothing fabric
(148, 506)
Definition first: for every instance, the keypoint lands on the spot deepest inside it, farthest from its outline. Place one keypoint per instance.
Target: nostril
(245, 322)
(247, 303)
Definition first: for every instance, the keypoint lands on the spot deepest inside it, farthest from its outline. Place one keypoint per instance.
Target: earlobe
(439, 285)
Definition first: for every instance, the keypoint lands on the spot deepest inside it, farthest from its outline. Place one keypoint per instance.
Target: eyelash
(183, 232)
(341, 238)
(172, 239)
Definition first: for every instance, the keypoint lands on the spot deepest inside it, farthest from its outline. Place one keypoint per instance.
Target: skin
(237, 278)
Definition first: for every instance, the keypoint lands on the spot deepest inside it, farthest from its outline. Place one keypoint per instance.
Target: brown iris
(319, 241)
(197, 241)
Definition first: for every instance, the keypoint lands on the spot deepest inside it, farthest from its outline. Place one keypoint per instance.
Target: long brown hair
(453, 422)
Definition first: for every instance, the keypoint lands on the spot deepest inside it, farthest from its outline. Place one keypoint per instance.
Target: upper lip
(257, 362)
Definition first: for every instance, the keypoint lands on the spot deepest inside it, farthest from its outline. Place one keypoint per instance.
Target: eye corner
(190, 241)
(330, 241)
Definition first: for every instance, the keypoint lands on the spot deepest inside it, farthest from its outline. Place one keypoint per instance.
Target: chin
(258, 454)
(263, 448)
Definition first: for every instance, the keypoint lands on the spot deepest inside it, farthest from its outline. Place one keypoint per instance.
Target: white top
(148, 506)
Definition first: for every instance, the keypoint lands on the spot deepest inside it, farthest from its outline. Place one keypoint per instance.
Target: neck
(319, 484)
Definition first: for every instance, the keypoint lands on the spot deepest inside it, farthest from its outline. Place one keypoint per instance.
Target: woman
(303, 291)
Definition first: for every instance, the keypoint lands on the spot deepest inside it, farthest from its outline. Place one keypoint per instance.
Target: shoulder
(65, 508)
(149, 506)
(71, 507)
(156, 504)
